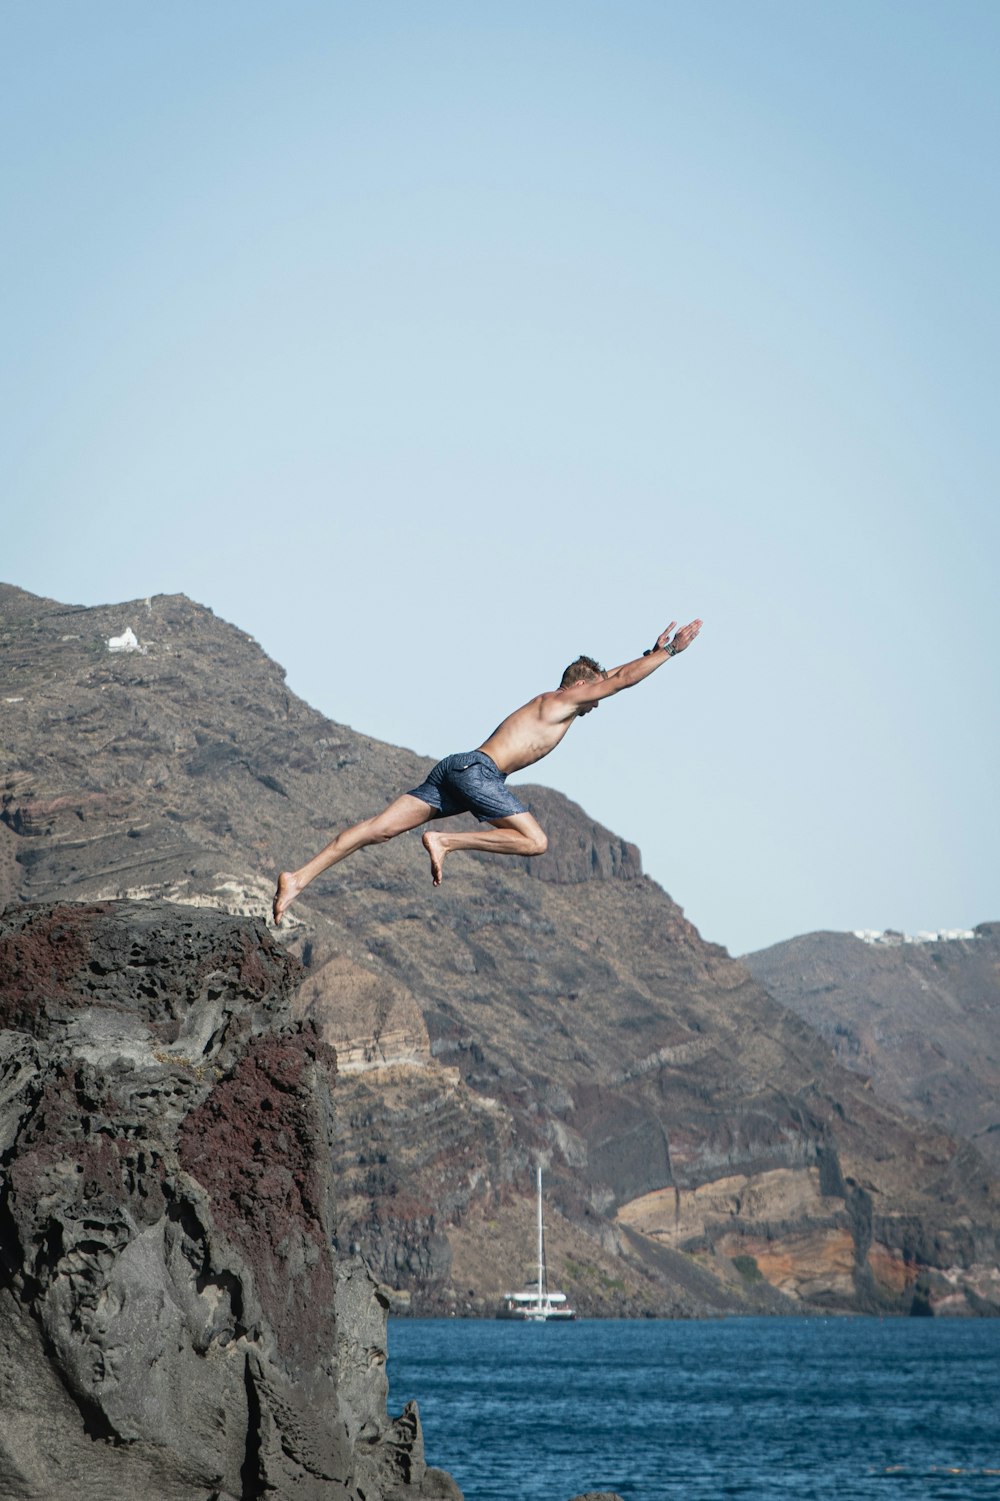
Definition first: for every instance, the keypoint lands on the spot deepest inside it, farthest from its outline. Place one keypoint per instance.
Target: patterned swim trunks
(469, 783)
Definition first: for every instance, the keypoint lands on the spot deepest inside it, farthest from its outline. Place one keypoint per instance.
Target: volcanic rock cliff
(703, 1148)
(174, 1319)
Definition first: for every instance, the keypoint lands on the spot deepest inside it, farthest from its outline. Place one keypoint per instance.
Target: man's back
(528, 734)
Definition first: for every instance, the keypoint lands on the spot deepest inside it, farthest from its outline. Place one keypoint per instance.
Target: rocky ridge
(703, 1149)
(920, 1019)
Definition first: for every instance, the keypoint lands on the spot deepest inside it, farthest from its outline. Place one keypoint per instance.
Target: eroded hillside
(703, 1148)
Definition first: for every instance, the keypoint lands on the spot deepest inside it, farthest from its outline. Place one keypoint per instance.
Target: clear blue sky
(433, 344)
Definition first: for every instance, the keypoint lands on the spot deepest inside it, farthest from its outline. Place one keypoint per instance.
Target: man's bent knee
(536, 839)
(532, 839)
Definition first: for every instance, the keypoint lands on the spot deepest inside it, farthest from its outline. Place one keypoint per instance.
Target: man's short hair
(583, 670)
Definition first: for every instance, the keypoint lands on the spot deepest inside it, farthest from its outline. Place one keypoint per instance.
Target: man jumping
(473, 782)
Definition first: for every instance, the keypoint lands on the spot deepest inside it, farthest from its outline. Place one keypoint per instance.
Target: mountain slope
(703, 1148)
(921, 1019)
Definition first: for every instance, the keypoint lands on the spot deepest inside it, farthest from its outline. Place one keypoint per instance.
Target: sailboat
(535, 1304)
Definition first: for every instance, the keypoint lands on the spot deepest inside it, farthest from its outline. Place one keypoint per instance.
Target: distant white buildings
(891, 938)
(127, 641)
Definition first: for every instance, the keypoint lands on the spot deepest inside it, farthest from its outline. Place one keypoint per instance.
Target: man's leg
(405, 813)
(519, 834)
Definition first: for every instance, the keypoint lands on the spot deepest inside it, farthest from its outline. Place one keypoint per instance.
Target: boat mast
(541, 1245)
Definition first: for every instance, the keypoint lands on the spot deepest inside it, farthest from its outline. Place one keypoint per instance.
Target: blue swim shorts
(469, 783)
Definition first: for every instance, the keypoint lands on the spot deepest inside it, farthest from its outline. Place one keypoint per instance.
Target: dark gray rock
(173, 1321)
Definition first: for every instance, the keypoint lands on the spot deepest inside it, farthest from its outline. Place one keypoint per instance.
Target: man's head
(583, 670)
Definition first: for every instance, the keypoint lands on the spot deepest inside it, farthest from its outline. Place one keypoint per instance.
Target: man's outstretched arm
(633, 672)
(661, 651)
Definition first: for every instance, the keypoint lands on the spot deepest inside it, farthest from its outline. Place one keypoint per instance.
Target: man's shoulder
(542, 700)
(533, 705)
(540, 707)
(553, 706)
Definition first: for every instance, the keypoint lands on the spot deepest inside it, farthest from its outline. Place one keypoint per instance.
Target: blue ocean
(806, 1408)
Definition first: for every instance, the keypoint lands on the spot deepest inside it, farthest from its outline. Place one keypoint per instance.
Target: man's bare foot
(288, 890)
(432, 844)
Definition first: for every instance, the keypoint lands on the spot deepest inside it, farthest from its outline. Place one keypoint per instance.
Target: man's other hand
(683, 638)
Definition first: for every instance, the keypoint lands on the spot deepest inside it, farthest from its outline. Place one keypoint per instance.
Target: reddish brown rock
(252, 1144)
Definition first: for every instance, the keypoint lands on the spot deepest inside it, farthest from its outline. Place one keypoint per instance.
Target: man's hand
(630, 673)
(684, 636)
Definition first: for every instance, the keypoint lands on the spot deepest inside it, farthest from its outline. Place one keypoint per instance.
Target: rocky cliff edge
(175, 1319)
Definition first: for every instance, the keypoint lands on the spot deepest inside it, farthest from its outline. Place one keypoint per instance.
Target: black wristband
(670, 650)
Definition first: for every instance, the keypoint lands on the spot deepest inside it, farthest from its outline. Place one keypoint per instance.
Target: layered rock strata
(174, 1319)
(703, 1149)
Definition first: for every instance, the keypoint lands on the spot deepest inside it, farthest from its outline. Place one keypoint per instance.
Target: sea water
(789, 1408)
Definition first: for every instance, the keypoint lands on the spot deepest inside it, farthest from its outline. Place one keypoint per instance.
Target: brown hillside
(920, 1019)
(696, 1134)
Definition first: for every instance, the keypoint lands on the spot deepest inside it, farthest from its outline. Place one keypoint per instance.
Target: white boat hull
(535, 1315)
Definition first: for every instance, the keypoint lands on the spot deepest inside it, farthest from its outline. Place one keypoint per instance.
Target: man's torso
(525, 736)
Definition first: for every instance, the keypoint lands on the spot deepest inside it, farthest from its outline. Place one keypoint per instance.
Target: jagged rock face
(559, 1010)
(173, 1320)
(921, 1020)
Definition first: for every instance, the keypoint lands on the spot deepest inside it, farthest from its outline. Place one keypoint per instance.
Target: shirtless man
(473, 782)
